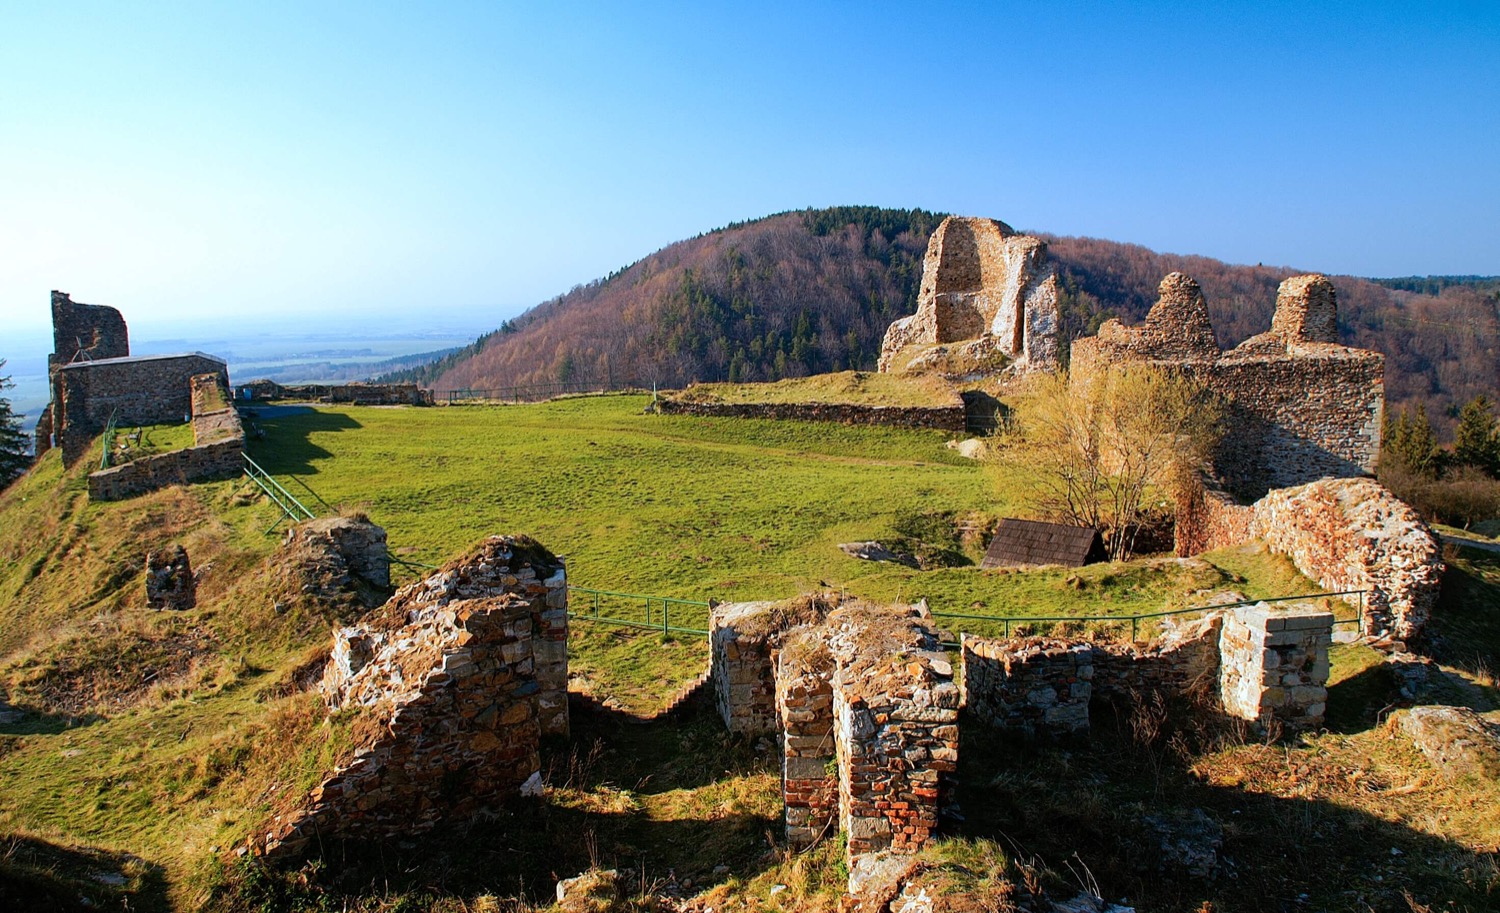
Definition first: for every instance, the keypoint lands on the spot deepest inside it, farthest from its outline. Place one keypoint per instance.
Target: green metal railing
(655, 612)
(1006, 621)
(108, 440)
(291, 508)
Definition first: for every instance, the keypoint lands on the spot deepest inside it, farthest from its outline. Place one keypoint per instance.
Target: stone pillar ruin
(1274, 664)
(804, 706)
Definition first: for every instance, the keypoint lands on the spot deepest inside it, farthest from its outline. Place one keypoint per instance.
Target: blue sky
(308, 162)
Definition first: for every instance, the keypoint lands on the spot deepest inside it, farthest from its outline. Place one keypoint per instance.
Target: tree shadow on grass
(286, 448)
(37, 875)
(1112, 812)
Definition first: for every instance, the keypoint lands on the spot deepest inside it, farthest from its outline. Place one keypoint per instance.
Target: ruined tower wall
(95, 330)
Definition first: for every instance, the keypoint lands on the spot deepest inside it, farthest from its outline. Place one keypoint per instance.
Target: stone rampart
(981, 280)
(1353, 534)
(1299, 406)
(446, 685)
(943, 418)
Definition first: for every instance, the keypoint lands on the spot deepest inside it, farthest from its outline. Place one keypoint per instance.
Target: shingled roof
(1019, 542)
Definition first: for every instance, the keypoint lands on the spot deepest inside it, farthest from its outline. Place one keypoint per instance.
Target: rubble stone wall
(449, 684)
(1208, 519)
(147, 391)
(361, 394)
(1299, 405)
(94, 330)
(347, 546)
(943, 418)
(1353, 534)
(1274, 664)
(740, 653)
(1034, 686)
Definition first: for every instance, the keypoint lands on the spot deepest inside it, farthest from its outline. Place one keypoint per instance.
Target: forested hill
(806, 292)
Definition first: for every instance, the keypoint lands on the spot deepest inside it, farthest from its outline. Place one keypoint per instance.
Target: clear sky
(303, 162)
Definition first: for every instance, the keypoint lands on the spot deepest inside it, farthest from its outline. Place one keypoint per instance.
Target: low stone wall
(943, 418)
(217, 452)
(1274, 664)
(446, 685)
(1031, 686)
(743, 639)
(1353, 534)
(339, 547)
(1257, 663)
(360, 394)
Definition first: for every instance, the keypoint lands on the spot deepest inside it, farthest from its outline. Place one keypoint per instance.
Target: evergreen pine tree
(1477, 442)
(15, 454)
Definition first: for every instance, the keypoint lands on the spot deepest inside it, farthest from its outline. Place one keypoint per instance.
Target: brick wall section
(804, 707)
(896, 726)
(982, 279)
(942, 418)
(1031, 686)
(1300, 406)
(1274, 664)
(151, 390)
(1353, 534)
(217, 452)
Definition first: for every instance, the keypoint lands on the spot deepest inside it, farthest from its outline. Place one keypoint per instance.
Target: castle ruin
(986, 290)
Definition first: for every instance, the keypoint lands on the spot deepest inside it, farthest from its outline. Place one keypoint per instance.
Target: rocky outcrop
(981, 280)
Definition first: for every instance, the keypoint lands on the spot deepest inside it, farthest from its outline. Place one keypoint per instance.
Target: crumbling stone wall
(1039, 686)
(1258, 663)
(982, 280)
(148, 390)
(1274, 664)
(1299, 405)
(217, 451)
(323, 556)
(80, 332)
(446, 686)
(865, 686)
(358, 393)
(1353, 534)
(170, 583)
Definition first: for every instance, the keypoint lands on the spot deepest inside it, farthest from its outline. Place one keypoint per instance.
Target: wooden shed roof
(1019, 542)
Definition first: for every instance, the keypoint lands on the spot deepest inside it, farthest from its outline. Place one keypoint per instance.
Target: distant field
(694, 508)
(859, 387)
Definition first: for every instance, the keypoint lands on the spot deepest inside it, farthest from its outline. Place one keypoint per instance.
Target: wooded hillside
(806, 292)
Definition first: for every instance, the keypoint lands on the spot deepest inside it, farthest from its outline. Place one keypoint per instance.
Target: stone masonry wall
(1208, 519)
(743, 640)
(1353, 534)
(804, 707)
(896, 726)
(1274, 664)
(1033, 686)
(217, 451)
(942, 418)
(982, 279)
(1299, 406)
(151, 390)
(446, 686)
(362, 394)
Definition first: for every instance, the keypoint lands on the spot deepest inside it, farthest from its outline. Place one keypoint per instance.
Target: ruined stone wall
(1274, 664)
(352, 545)
(1299, 407)
(446, 687)
(151, 390)
(94, 330)
(1353, 534)
(942, 418)
(743, 639)
(1207, 519)
(1034, 686)
(895, 711)
(358, 393)
(217, 452)
(1044, 686)
(980, 279)
(804, 708)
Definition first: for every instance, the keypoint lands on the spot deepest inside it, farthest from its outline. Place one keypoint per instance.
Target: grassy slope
(664, 505)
